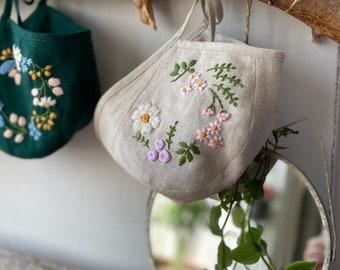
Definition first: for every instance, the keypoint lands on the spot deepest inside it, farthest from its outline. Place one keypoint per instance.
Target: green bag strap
(8, 8)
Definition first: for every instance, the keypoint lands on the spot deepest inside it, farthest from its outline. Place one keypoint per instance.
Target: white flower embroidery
(47, 102)
(145, 118)
(17, 57)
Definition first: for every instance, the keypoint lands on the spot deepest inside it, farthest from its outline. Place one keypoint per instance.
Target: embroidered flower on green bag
(46, 89)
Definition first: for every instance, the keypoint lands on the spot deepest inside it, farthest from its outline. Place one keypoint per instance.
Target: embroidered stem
(171, 134)
(226, 68)
(186, 68)
(16, 129)
(142, 140)
(226, 91)
(214, 98)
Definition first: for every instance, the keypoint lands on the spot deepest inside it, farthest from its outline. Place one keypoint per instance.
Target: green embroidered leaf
(300, 265)
(215, 214)
(187, 151)
(175, 71)
(183, 145)
(189, 156)
(182, 160)
(195, 149)
(224, 256)
(142, 140)
(185, 67)
(192, 62)
(171, 134)
(246, 253)
(180, 151)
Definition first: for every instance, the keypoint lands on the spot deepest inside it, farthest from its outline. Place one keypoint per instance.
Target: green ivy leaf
(224, 257)
(246, 253)
(215, 214)
(184, 65)
(300, 265)
(237, 214)
(254, 235)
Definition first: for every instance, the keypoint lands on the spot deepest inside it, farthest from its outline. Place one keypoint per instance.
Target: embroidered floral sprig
(187, 67)
(46, 88)
(222, 73)
(171, 134)
(14, 125)
(140, 138)
(187, 152)
(226, 68)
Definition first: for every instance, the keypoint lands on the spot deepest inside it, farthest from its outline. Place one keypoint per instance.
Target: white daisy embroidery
(145, 119)
(47, 102)
(17, 57)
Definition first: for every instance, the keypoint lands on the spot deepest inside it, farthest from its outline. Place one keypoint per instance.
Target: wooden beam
(323, 16)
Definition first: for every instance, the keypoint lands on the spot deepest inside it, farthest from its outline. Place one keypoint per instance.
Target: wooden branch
(323, 16)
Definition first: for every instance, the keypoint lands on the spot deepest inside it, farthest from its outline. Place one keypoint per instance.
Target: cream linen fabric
(212, 140)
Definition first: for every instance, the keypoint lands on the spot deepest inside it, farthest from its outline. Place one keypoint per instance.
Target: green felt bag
(49, 83)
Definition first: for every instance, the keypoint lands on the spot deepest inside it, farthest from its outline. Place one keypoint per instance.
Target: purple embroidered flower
(208, 112)
(223, 116)
(203, 135)
(164, 156)
(215, 128)
(200, 85)
(185, 89)
(159, 144)
(152, 155)
(216, 142)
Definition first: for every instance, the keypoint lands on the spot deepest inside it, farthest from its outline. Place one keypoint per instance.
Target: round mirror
(292, 219)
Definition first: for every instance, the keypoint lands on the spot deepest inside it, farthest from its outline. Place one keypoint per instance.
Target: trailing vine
(237, 203)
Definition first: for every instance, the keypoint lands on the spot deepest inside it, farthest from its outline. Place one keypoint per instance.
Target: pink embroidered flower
(8, 133)
(185, 89)
(208, 112)
(164, 156)
(215, 128)
(203, 135)
(35, 92)
(200, 85)
(159, 144)
(216, 142)
(194, 77)
(58, 91)
(19, 138)
(152, 155)
(223, 116)
(54, 82)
